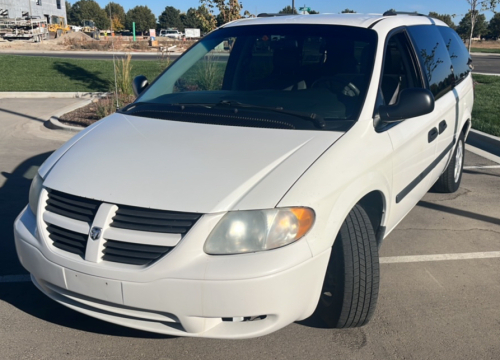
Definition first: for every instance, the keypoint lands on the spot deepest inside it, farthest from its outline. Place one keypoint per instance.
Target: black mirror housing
(139, 84)
(412, 103)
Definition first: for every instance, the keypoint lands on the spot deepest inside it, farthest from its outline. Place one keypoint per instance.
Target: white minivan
(252, 183)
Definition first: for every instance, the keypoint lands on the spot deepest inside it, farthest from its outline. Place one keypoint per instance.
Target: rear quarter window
(458, 53)
(434, 58)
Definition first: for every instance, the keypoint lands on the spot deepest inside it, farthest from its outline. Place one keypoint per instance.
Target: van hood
(189, 167)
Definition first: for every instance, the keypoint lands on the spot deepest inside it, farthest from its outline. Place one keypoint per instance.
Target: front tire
(351, 285)
(450, 180)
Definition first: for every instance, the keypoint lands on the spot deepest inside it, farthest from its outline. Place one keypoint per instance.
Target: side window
(458, 53)
(399, 71)
(434, 58)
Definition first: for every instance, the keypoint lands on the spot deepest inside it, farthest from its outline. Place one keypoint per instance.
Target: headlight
(257, 230)
(35, 190)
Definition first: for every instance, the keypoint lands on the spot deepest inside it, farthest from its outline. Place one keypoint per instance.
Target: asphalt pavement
(483, 63)
(439, 295)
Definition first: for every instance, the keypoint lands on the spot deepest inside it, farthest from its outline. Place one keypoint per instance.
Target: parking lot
(439, 295)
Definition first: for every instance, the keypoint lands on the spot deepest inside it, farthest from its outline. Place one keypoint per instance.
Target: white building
(39, 8)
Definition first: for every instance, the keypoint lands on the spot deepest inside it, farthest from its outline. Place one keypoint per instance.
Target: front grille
(71, 206)
(133, 253)
(68, 240)
(159, 221)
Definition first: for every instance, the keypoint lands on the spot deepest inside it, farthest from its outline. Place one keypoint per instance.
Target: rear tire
(450, 180)
(351, 285)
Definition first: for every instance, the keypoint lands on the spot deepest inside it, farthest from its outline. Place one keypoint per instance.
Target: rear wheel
(450, 180)
(350, 289)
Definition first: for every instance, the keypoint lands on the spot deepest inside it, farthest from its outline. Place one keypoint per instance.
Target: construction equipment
(24, 29)
(89, 28)
(58, 26)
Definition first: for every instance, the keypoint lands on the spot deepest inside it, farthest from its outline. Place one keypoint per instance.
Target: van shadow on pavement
(25, 296)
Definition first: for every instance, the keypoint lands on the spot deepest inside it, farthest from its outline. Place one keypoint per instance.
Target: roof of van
(357, 20)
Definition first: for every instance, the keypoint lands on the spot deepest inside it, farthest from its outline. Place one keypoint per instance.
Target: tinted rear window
(434, 58)
(458, 53)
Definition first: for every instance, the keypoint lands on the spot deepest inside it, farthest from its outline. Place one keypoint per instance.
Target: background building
(39, 8)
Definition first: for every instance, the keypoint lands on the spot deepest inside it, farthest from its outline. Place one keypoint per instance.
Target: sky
(458, 7)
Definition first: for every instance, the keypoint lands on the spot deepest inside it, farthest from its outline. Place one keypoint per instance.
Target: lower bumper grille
(133, 253)
(68, 240)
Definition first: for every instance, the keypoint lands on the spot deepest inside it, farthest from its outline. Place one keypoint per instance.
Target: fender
(340, 178)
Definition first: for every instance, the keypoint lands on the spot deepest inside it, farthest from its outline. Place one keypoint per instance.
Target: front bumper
(219, 307)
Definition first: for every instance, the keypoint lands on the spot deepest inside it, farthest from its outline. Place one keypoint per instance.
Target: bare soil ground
(78, 41)
(486, 44)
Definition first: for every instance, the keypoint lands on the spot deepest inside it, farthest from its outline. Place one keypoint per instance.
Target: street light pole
(293, 6)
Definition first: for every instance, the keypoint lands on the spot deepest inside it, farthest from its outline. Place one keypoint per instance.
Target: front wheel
(350, 289)
(450, 180)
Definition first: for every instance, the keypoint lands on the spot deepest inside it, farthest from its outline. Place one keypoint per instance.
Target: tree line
(204, 17)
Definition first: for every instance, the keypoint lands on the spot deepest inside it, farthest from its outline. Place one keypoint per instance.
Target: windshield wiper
(316, 119)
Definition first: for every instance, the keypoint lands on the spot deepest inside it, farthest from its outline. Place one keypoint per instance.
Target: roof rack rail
(394, 13)
(273, 15)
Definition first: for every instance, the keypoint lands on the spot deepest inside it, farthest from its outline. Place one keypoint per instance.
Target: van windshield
(316, 71)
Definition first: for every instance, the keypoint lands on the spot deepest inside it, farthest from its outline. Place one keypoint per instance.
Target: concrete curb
(485, 142)
(484, 54)
(53, 95)
(487, 74)
(54, 123)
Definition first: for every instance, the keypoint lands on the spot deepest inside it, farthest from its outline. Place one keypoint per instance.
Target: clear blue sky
(458, 7)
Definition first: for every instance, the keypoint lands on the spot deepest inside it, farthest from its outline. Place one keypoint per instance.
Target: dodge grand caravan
(252, 183)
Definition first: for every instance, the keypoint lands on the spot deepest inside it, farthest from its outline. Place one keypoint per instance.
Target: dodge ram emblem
(95, 233)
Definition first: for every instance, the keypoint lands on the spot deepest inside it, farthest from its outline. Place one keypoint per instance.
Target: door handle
(442, 126)
(433, 134)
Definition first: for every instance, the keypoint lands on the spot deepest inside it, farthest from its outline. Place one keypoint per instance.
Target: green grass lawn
(30, 73)
(489, 51)
(486, 113)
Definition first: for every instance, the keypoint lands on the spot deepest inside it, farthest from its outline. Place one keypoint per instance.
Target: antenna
(114, 62)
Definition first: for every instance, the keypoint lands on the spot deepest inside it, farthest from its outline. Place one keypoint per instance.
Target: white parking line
(14, 278)
(483, 167)
(439, 257)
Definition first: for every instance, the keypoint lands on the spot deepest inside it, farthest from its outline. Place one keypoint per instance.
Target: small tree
(444, 18)
(170, 18)
(494, 26)
(229, 10)
(190, 19)
(206, 19)
(465, 30)
(117, 15)
(143, 17)
(476, 6)
(88, 10)
(313, 12)
(288, 10)
(348, 11)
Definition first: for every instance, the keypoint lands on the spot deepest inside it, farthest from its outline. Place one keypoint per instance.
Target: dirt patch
(95, 111)
(73, 37)
(81, 41)
(489, 44)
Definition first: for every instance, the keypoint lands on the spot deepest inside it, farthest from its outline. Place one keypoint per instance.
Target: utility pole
(293, 6)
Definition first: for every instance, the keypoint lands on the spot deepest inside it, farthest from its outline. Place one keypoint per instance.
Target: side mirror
(139, 84)
(412, 103)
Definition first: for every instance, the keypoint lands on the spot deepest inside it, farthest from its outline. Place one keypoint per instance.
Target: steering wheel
(337, 85)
